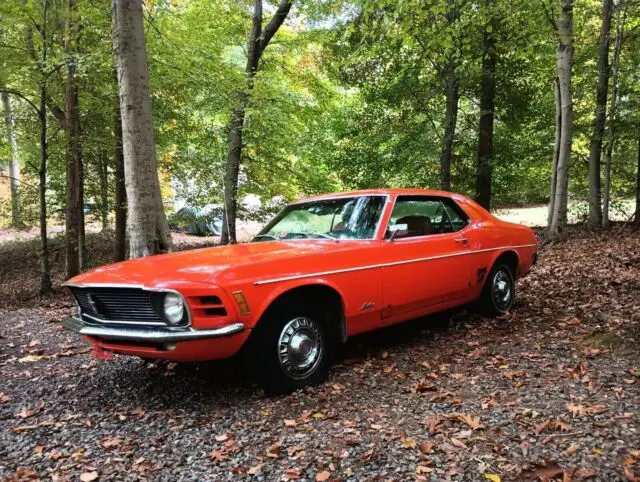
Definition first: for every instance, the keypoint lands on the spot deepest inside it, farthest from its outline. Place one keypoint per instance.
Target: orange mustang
(325, 268)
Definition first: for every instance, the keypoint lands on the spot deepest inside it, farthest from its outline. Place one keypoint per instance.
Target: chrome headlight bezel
(173, 308)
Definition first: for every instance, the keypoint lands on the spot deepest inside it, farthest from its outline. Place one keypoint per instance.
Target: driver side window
(422, 216)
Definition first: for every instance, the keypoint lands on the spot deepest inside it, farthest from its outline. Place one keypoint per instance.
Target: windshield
(340, 218)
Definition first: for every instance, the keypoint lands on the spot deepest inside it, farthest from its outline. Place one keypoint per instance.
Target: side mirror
(397, 230)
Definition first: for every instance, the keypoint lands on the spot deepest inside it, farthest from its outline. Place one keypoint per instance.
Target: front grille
(119, 305)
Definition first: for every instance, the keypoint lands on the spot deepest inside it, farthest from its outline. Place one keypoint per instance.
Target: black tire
(499, 291)
(271, 352)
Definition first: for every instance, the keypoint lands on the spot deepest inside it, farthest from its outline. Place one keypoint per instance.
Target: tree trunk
(147, 223)
(14, 164)
(45, 270)
(103, 178)
(564, 64)
(484, 168)
(74, 203)
(556, 151)
(637, 220)
(82, 248)
(121, 192)
(228, 235)
(452, 94)
(612, 116)
(450, 121)
(595, 151)
(258, 41)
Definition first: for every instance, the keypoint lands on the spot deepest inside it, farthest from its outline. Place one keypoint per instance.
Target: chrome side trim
(149, 336)
(384, 265)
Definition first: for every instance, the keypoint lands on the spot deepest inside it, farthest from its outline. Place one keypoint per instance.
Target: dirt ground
(548, 392)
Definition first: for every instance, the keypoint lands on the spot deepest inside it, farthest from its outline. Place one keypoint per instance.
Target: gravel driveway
(550, 391)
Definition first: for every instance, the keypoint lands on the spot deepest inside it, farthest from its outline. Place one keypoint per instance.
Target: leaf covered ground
(548, 392)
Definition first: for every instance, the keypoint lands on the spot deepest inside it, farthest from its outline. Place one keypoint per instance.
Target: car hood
(206, 265)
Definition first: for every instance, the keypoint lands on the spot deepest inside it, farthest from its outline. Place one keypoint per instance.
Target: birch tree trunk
(258, 41)
(147, 223)
(484, 168)
(14, 163)
(595, 151)
(564, 64)
(612, 115)
(556, 151)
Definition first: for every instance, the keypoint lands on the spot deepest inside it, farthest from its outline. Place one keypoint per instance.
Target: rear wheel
(499, 291)
(292, 347)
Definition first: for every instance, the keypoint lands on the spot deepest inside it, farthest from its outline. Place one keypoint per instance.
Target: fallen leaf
(541, 426)
(217, 456)
(458, 443)
(572, 449)
(584, 473)
(32, 358)
(473, 422)
(274, 450)
(88, 476)
(426, 447)
(255, 469)
(408, 443)
(4, 398)
(423, 469)
(322, 476)
(222, 438)
(560, 425)
(492, 477)
(433, 423)
(289, 423)
(110, 443)
(292, 474)
(544, 472)
(630, 475)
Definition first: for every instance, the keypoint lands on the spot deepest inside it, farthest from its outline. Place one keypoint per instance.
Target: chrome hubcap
(502, 290)
(300, 347)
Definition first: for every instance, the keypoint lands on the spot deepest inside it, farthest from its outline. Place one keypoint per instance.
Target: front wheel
(499, 291)
(292, 348)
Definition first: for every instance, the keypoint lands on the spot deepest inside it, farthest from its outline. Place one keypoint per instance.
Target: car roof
(379, 192)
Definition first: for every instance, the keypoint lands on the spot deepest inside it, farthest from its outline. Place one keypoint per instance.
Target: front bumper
(148, 335)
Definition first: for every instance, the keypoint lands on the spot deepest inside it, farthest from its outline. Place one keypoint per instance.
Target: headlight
(173, 308)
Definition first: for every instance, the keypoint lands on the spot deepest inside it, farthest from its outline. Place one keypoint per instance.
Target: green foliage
(349, 95)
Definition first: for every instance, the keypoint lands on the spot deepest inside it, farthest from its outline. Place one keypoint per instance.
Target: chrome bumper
(148, 335)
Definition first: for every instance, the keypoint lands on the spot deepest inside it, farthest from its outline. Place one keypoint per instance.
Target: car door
(425, 257)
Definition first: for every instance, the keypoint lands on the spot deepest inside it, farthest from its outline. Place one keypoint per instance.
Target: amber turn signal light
(242, 302)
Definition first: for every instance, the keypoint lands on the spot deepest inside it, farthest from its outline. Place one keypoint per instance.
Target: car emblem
(92, 303)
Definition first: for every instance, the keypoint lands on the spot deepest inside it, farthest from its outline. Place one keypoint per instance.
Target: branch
(549, 17)
(57, 112)
(19, 180)
(274, 24)
(22, 96)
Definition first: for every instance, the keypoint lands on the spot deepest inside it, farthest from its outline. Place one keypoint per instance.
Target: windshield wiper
(326, 236)
(268, 236)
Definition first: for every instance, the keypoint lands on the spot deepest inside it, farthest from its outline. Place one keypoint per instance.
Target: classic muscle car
(325, 268)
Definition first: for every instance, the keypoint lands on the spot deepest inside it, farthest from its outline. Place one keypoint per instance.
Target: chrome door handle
(462, 240)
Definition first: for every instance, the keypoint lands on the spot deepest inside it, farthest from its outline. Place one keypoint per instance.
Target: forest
(118, 115)
(514, 104)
